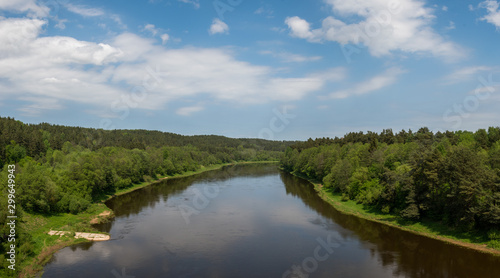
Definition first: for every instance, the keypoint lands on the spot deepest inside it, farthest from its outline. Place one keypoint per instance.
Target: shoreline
(361, 213)
(186, 174)
(36, 264)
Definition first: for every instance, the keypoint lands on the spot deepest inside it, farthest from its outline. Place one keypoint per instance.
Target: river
(254, 221)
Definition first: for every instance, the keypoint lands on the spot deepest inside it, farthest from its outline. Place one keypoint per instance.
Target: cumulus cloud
(300, 28)
(493, 15)
(385, 27)
(132, 71)
(218, 26)
(376, 83)
(36, 67)
(192, 71)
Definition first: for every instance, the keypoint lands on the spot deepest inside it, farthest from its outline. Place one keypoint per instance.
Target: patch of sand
(88, 236)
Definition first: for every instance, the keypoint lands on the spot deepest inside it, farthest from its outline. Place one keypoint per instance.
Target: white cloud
(267, 11)
(188, 111)
(291, 57)
(378, 82)
(487, 90)
(300, 28)
(218, 26)
(38, 105)
(61, 23)
(195, 3)
(259, 10)
(151, 28)
(35, 67)
(385, 27)
(445, 8)
(451, 26)
(133, 71)
(31, 7)
(164, 38)
(118, 21)
(278, 29)
(156, 31)
(493, 15)
(83, 11)
(465, 74)
(193, 71)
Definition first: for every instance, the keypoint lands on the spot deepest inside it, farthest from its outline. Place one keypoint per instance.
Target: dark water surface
(254, 221)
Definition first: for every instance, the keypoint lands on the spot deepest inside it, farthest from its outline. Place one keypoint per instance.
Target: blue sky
(282, 70)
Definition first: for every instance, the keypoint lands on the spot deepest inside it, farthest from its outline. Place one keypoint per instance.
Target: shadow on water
(410, 255)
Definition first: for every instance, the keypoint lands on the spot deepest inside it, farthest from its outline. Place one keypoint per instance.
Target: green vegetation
(445, 184)
(63, 173)
(42, 245)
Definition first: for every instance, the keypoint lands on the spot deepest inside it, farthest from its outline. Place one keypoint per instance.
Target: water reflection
(260, 223)
(410, 255)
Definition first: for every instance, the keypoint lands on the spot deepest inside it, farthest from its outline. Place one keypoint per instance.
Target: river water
(254, 221)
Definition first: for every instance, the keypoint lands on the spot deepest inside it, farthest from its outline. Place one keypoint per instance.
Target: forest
(64, 169)
(60, 169)
(450, 177)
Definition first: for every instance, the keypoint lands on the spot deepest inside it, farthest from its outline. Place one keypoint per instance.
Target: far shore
(388, 219)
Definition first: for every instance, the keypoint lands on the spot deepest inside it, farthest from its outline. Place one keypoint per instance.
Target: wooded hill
(36, 139)
(64, 169)
(450, 177)
(60, 169)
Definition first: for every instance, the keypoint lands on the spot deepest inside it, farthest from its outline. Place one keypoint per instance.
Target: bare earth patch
(102, 216)
(87, 236)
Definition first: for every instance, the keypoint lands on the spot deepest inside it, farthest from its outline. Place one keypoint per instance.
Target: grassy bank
(185, 174)
(38, 225)
(470, 239)
(44, 245)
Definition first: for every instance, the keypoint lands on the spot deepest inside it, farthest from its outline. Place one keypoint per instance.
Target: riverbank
(45, 245)
(431, 229)
(185, 174)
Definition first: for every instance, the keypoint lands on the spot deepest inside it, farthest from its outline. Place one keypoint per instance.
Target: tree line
(57, 176)
(451, 177)
(35, 139)
(60, 169)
